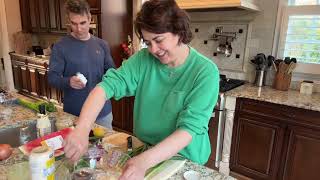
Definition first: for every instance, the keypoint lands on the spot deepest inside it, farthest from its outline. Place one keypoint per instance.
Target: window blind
(303, 38)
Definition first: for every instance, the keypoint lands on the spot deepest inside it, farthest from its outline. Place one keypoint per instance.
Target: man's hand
(76, 83)
(76, 144)
(134, 169)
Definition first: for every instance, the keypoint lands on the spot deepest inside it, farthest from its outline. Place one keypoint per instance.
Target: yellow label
(50, 162)
(50, 165)
(51, 177)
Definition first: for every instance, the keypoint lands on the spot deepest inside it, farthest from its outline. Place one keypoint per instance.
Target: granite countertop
(17, 163)
(290, 98)
(19, 115)
(34, 58)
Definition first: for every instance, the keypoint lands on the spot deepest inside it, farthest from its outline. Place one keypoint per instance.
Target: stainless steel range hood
(219, 4)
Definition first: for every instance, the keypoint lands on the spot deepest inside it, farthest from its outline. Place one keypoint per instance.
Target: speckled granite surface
(40, 59)
(20, 161)
(21, 115)
(268, 94)
(13, 115)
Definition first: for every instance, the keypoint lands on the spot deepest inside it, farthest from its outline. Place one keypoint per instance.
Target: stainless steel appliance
(216, 126)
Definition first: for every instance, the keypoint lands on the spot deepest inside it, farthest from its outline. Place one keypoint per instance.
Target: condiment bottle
(43, 122)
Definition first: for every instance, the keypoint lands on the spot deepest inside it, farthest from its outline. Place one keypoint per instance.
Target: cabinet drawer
(285, 113)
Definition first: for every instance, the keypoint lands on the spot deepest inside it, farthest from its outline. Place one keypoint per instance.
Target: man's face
(80, 25)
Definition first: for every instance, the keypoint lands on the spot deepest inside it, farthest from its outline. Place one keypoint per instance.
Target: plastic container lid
(192, 175)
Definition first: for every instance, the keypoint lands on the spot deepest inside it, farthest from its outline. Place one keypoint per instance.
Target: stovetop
(226, 84)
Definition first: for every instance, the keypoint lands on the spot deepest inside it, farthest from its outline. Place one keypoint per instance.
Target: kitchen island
(271, 134)
(21, 116)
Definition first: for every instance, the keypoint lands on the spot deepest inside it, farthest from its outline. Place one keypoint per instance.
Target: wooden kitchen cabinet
(30, 78)
(301, 159)
(273, 141)
(213, 133)
(49, 16)
(206, 4)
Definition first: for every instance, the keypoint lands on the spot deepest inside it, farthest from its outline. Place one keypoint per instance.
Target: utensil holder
(282, 81)
(260, 78)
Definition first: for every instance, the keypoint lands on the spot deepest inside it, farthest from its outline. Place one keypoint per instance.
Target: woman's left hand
(134, 169)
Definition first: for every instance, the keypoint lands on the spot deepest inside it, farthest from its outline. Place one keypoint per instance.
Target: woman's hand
(76, 144)
(135, 169)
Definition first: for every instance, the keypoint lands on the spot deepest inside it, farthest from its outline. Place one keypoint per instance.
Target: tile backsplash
(204, 43)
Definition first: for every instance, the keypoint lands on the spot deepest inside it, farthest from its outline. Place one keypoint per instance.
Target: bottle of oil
(43, 122)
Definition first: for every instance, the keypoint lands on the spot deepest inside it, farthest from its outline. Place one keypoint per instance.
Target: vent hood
(218, 4)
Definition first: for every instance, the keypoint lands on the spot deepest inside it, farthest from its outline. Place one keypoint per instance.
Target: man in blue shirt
(80, 52)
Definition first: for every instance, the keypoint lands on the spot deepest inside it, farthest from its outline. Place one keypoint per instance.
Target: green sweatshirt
(167, 99)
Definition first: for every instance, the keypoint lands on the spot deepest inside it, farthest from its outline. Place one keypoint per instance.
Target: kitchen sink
(12, 135)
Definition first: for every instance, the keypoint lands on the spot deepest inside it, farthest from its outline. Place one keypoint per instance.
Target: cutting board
(119, 141)
(165, 170)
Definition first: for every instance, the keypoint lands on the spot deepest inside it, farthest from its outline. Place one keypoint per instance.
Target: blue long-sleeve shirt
(92, 58)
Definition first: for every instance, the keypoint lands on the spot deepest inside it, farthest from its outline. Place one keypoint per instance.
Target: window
(300, 34)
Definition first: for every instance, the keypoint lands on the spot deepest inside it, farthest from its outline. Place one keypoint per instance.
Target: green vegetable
(28, 104)
(50, 107)
(35, 105)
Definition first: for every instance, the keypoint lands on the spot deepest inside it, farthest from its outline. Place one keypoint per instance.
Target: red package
(27, 148)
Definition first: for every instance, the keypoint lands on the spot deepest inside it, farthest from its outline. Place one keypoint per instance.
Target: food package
(53, 140)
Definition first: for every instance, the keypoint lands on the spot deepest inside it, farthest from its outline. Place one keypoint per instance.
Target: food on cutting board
(119, 141)
(5, 151)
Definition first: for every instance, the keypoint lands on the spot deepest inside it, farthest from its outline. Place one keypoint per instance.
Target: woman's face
(163, 46)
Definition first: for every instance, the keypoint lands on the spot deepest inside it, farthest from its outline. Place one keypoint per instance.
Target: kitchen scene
(264, 126)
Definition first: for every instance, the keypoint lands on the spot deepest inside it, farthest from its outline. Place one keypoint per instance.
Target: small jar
(24, 135)
(306, 87)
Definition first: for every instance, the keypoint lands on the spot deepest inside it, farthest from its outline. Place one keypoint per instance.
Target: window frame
(302, 69)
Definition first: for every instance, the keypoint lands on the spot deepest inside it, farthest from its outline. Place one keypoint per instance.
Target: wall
(10, 24)
(261, 26)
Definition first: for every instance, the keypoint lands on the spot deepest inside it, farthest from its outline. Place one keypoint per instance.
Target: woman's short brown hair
(161, 16)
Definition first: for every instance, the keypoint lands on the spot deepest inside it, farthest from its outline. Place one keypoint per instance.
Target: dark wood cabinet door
(33, 74)
(17, 76)
(122, 111)
(43, 85)
(62, 16)
(302, 155)
(256, 144)
(42, 15)
(33, 10)
(26, 83)
(53, 18)
(25, 16)
(213, 133)
(95, 6)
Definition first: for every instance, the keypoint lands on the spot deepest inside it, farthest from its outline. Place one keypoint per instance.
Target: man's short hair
(80, 7)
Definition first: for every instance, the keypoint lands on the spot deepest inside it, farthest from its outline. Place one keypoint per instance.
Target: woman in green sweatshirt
(175, 89)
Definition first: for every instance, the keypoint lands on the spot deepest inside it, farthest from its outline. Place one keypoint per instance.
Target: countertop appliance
(216, 125)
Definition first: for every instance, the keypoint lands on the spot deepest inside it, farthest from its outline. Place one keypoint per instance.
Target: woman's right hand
(76, 144)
